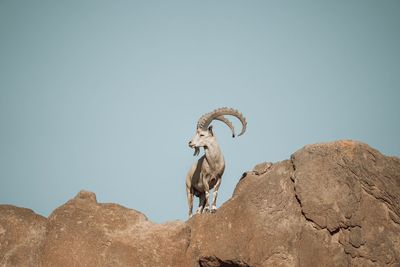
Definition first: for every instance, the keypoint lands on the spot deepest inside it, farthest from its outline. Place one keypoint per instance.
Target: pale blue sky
(105, 95)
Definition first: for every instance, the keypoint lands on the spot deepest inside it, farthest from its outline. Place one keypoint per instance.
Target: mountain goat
(207, 172)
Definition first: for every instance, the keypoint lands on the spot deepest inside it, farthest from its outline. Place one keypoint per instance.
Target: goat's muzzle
(196, 149)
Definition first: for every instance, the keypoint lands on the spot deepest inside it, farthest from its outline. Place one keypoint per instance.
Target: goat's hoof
(206, 210)
(213, 210)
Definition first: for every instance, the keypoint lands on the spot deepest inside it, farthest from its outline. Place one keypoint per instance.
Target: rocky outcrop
(83, 232)
(358, 199)
(21, 236)
(333, 204)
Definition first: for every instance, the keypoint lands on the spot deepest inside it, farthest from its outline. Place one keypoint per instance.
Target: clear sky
(105, 95)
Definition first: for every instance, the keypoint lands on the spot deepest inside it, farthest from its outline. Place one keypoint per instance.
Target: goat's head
(202, 138)
(204, 134)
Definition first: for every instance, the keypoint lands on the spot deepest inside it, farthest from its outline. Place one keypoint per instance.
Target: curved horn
(227, 122)
(206, 119)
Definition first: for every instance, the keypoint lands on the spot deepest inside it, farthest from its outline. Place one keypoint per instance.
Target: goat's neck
(214, 155)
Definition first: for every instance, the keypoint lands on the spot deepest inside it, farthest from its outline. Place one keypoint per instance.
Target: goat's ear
(210, 129)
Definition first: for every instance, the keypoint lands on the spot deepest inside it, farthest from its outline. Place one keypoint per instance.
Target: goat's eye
(201, 135)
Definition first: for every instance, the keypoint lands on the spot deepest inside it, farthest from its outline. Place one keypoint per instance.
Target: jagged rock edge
(203, 262)
(309, 220)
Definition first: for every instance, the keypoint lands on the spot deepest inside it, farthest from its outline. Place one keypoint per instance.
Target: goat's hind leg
(189, 193)
(202, 203)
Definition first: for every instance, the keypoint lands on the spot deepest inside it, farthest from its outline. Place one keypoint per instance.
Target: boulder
(21, 235)
(84, 232)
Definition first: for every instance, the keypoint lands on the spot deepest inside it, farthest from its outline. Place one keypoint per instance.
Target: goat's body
(205, 175)
(207, 172)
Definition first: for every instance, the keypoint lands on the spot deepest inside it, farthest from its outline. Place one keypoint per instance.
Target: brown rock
(21, 235)
(334, 204)
(83, 232)
(351, 189)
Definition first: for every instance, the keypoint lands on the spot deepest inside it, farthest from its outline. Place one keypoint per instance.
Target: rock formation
(333, 204)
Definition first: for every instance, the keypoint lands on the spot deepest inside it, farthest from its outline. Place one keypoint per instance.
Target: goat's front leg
(189, 193)
(215, 195)
(207, 193)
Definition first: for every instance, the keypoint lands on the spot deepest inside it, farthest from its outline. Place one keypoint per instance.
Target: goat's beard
(196, 151)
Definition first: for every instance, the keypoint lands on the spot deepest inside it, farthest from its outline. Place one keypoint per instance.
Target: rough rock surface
(332, 204)
(21, 235)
